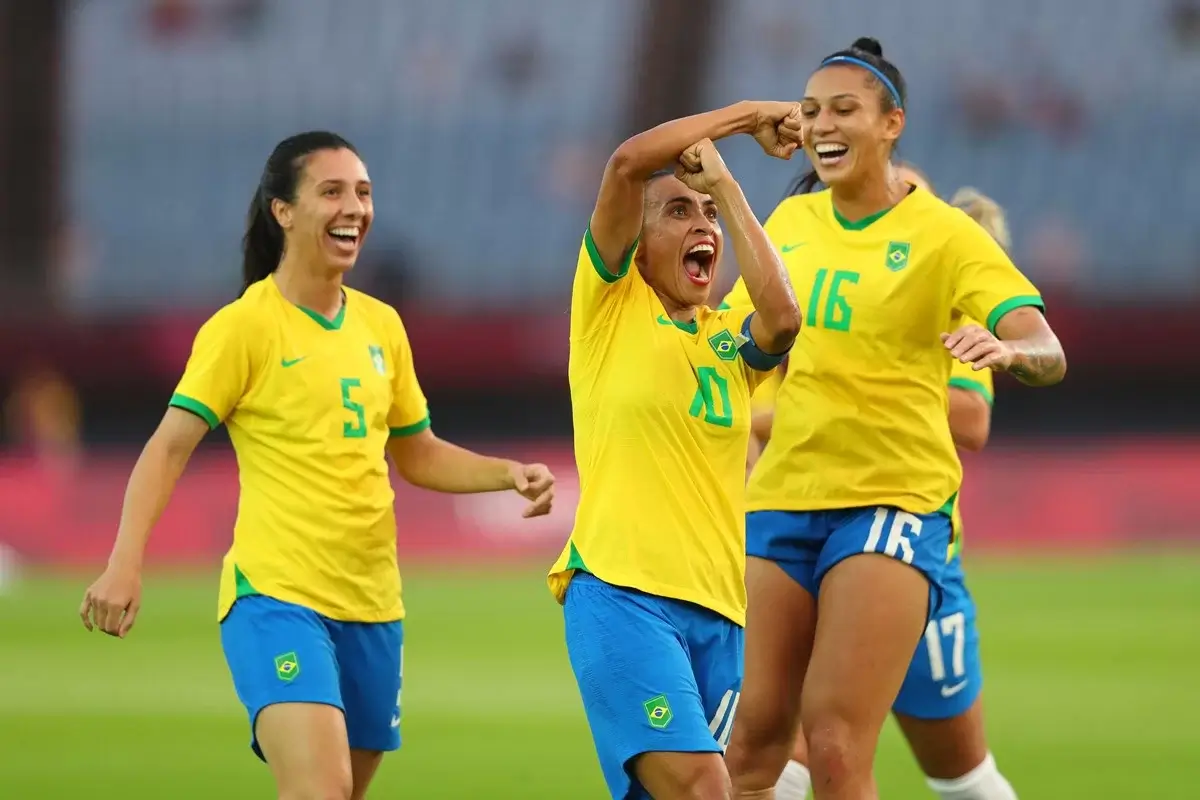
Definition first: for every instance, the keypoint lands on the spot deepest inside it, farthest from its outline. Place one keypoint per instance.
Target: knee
(703, 783)
(684, 776)
(758, 750)
(335, 783)
(833, 750)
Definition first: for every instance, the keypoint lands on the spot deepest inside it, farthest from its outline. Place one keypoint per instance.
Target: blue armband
(753, 355)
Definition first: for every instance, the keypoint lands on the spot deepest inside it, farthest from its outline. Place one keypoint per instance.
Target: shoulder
(242, 316)
(800, 207)
(373, 309)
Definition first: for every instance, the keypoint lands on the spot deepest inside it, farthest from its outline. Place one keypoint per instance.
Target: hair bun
(868, 45)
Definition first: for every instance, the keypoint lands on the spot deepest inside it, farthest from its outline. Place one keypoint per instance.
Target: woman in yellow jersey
(849, 506)
(652, 579)
(315, 384)
(938, 707)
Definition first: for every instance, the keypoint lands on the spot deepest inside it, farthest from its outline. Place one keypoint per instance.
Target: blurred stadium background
(131, 137)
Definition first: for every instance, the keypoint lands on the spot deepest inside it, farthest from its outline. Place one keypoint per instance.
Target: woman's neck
(875, 193)
(309, 289)
(677, 311)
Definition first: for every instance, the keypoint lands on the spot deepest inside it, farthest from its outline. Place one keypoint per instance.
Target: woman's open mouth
(698, 262)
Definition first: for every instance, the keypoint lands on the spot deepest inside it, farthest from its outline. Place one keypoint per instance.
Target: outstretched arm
(424, 460)
(776, 321)
(617, 218)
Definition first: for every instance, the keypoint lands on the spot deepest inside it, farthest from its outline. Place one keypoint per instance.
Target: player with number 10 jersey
(652, 578)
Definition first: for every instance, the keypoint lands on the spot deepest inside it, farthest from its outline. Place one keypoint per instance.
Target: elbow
(783, 327)
(973, 441)
(623, 162)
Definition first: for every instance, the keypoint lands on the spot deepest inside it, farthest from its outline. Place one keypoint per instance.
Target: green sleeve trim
(598, 262)
(196, 407)
(1013, 303)
(409, 430)
(972, 386)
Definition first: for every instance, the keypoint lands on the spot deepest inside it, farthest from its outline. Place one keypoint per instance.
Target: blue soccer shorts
(284, 653)
(807, 544)
(946, 675)
(655, 675)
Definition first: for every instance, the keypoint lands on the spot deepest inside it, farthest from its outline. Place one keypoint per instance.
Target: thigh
(635, 677)
(870, 614)
(780, 622)
(306, 748)
(370, 659)
(278, 653)
(946, 674)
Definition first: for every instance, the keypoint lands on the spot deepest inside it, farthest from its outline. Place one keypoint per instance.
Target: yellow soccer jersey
(967, 379)
(662, 422)
(309, 404)
(861, 414)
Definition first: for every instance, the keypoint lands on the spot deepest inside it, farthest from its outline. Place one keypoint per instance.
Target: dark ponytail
(866, 53)
(263, 242)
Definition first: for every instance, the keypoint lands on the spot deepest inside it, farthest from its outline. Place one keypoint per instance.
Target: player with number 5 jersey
(850, 503)
(652, 577)
(316, 386)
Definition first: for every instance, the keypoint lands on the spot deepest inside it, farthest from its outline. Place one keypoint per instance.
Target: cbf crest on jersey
(723, 345)
(897, 256)
(377, 359)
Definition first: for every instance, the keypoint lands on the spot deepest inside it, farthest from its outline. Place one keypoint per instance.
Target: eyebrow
(339, 181)
(688, 200)
(851, 95)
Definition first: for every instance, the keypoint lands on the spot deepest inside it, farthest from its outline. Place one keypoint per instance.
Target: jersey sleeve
(987, 285)
(409, 412)
(978, 381)
(218, 372)
(596, 291)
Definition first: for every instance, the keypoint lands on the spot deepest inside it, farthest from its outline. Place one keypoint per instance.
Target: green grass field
(1093, 690)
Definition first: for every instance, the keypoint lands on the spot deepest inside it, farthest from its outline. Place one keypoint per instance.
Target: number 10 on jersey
(712, 398)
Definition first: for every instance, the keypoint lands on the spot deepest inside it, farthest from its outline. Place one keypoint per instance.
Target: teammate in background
(850, 504)
(652, 577)
(939, 708)
(315, 384)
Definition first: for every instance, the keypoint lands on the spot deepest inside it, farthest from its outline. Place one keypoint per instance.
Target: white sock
(794, 783)
(982, 783)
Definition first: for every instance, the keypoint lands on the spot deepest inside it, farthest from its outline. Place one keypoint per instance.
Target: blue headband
(858, 62)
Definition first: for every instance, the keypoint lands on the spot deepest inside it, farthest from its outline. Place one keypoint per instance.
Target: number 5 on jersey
(358, 428)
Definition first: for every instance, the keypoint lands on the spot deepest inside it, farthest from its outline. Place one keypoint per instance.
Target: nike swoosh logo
(663, 319)
(291, 362)
(396, 721)
(787, 248)
(950, 691)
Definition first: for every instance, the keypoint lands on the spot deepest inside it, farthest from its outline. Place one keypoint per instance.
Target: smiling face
(332, 212)
(849, 127)
(681, 242)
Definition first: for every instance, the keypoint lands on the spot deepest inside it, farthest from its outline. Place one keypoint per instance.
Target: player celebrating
(652, 578)
(315, 383)
(850, 503)
(938, 708)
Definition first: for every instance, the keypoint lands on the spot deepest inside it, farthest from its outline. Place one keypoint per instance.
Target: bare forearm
(762, 269)
(151, 484)
(441, 466)
(1038, 361)
(642, 155)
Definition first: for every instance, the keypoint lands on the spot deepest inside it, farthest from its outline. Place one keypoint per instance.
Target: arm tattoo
(1038, 364)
